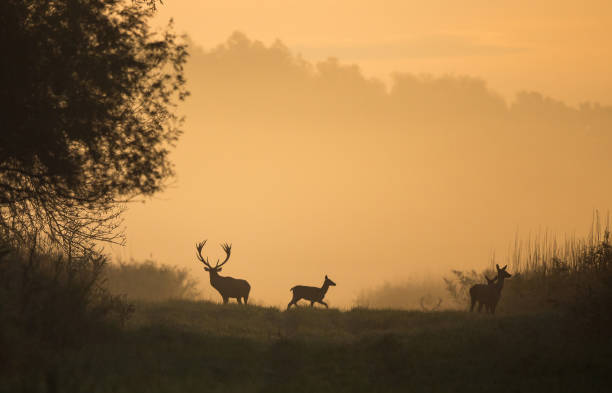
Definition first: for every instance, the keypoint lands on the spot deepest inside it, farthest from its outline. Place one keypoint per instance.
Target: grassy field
(62, 330)
(189, 346)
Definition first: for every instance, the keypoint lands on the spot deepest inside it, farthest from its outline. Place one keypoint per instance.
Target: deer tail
(293, 288)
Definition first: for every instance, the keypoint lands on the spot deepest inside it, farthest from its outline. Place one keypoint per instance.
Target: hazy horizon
(314, 166)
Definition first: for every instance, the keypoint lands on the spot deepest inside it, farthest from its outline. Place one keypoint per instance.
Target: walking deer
(489, 295)
(313, 294)
(228, 287)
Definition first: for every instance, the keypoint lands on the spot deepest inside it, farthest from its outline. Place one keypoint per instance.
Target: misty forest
(189, 205)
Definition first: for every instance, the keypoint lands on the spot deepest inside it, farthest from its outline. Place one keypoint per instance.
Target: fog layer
(312, 169)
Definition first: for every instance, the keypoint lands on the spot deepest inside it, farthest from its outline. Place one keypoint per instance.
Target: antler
(226, 247)
(199, 247)
(228, 251)
(434, 308)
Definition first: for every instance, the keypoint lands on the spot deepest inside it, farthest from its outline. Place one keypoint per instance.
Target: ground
(188, 346)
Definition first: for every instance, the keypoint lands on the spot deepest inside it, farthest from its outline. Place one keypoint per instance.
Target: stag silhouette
(313, 294)
(228, 287)
(489, 295)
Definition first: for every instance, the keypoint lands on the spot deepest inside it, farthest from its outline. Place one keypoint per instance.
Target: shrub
(425, 295)
(150, 281)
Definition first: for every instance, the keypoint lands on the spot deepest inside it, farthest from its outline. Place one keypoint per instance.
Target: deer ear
(504, 268)
(326, 277)
(207, 269)
(497, 266)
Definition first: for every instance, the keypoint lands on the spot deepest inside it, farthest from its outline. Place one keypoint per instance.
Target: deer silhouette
(489, 295)
(228, 287)
(478, 291)
(313, 294)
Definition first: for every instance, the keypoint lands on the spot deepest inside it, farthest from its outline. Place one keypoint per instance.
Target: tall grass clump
(150, 281)
(573, 274)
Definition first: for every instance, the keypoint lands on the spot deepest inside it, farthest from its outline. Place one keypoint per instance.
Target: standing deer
(478, 291)
(228, 287)
(313, 294)
(489, 295)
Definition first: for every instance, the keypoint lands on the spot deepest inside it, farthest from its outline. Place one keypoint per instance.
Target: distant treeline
(262, 81)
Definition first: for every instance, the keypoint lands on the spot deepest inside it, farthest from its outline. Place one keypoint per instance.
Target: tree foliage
(88, 92)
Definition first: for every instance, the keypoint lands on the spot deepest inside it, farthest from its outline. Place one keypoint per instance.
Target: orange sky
(309, 167)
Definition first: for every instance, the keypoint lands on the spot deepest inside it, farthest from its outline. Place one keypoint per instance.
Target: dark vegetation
(51, 305)
(186, 346)
(87, 99)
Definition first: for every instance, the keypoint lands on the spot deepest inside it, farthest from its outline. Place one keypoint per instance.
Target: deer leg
(323, 303)
(246, 299)
(239, 300)
(312, 303)
(473, 304)
(479, 306)
(225, 299)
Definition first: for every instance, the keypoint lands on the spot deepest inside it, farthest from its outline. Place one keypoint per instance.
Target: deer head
(329, 282)
(502, 273)
(489, 281)
(207, 266)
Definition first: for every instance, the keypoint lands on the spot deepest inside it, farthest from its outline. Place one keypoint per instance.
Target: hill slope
(186, 346)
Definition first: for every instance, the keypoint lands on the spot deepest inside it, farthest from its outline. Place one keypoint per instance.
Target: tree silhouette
(87, 93)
